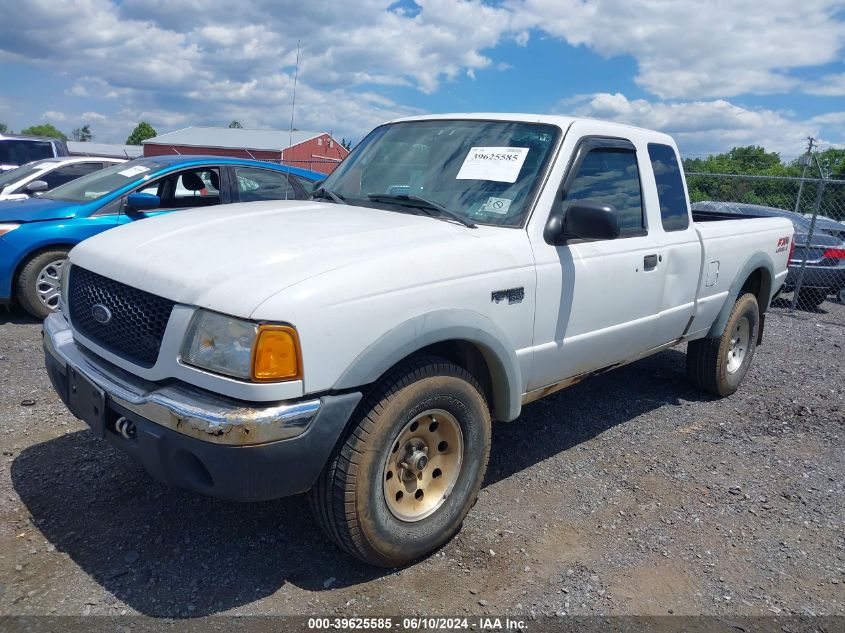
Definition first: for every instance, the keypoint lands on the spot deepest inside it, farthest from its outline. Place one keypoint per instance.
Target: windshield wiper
(322, 192)
(420, 203)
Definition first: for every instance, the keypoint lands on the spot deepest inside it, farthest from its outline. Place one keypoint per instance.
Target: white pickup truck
(357, 347)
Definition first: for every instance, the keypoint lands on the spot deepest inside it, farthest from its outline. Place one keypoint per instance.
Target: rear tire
(427, 406)
(38, 283)
(718, 365)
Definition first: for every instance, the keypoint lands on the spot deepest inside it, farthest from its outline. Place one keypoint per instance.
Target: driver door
(598, 301)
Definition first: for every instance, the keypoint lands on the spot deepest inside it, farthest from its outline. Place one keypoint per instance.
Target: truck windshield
(485, 171)
(97, 184)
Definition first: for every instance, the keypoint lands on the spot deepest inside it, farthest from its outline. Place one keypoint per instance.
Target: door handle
(650, 262)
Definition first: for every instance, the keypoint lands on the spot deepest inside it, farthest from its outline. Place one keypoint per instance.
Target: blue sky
(715, 74)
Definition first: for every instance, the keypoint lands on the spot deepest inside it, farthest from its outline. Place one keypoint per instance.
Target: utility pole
(805, 160)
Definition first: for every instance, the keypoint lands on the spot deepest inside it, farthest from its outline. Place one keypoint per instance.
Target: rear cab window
(674, 213)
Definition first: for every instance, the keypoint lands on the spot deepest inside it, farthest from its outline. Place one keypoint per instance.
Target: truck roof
(553, 119)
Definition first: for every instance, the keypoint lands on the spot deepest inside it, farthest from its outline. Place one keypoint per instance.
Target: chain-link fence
(816, 207)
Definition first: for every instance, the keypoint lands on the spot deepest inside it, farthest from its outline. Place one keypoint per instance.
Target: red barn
(317, 151)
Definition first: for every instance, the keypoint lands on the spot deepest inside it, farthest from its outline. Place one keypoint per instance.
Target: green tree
(45, 129)
(142, 132)
(236, 124)
(4, 129)
(832, 162)
(82, 133)
(751, 159)
(346, 143)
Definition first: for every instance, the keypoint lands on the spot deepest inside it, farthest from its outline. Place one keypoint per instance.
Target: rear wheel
(718, 365)
(39, 282)
(410, 470)
(811, 297)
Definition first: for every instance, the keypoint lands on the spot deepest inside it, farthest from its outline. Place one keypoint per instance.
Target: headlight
(242, 349)
(8, 226)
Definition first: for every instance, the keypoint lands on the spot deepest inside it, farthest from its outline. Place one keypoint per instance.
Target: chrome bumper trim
(193, 412)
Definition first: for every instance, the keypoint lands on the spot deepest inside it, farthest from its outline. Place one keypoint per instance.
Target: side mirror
(36, 186)
(142, 201)
(585, 221)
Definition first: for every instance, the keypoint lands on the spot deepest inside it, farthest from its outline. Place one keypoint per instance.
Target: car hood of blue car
(37, 210)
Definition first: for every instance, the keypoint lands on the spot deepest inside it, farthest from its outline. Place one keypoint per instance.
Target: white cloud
(219, 64)
(701, 127)
(697, 50)
(77, 90)
(53, 115)
(185, 62)
(93, 116)
(830, 86)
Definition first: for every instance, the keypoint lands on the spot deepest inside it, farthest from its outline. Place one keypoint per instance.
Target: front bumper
(193, 439)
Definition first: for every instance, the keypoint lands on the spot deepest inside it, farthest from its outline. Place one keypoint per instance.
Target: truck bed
(699, 215)
(731, 244)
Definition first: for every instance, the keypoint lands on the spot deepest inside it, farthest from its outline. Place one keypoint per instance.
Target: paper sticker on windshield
(496, 205)
(134, 171)
(500, 164)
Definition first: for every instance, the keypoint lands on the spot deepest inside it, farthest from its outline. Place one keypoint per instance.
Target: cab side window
(611, 176)
(674, 213)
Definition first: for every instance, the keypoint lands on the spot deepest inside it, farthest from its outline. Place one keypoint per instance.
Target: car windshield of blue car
(99, 183)
(484, 172)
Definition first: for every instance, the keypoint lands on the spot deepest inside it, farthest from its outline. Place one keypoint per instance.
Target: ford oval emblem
(101, 313)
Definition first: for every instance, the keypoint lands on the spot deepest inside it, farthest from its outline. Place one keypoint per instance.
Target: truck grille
(132, 323)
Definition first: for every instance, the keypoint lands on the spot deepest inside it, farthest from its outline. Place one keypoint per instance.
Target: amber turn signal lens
(276, 354)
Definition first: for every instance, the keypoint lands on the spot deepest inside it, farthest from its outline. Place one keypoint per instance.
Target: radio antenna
(293, 102)
(293, 105)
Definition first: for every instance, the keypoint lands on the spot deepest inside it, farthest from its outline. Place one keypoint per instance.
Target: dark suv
(19, 150)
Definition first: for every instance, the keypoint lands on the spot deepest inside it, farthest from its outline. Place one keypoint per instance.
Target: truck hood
(231, 258)
(36, 209)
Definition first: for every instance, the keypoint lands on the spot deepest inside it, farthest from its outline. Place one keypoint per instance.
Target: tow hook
(125, 427)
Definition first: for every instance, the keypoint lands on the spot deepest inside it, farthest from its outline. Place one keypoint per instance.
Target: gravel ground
(630, 493)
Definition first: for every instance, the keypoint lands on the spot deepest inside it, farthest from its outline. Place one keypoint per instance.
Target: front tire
(718, 365)
(39, 282)
(411, 467)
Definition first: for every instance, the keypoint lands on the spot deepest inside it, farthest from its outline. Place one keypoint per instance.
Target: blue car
(36, 234)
